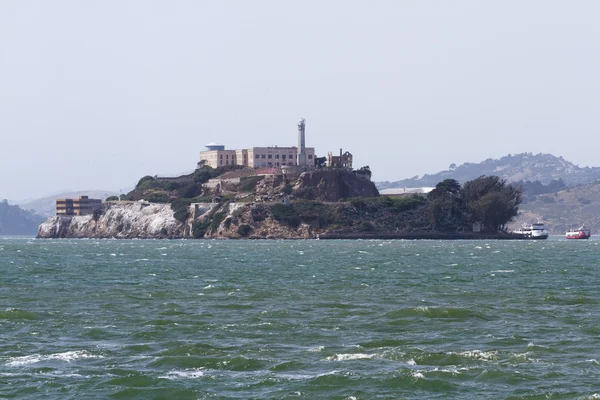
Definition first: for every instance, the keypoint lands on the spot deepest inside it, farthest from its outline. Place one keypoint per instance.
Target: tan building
(344, 160)
(82, 205)
(215, 154)
(278, 156)
(256, 157)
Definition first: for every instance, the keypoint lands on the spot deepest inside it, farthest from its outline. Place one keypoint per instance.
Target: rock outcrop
(117, 220)
(336, 184)
(128, 220)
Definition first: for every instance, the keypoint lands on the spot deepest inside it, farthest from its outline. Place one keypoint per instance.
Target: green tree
(446, 211)
(492, 202)
(366, 170)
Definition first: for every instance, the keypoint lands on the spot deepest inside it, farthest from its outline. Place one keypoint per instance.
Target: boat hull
(578, 235)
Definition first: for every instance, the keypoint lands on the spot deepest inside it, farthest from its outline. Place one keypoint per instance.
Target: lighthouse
(301, 142)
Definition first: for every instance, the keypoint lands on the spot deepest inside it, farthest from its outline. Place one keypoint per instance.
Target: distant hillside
(46, 206)
(15, 221)
(513, 168)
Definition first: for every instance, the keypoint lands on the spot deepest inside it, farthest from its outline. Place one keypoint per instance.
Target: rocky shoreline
(142, 220)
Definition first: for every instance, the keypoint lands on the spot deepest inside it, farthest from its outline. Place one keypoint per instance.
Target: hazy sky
(97, 94)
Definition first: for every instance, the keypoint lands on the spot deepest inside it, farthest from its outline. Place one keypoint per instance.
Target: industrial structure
(215, 154)
(82, 205)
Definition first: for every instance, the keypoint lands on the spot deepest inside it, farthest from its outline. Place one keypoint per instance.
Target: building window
(270, 155)
(310, 156)
(226, 162)
(270, 164)
(227, 156)
(221, 156)
(283, 156)
(257, 156)
(221, 162)
(262, 156)
(276, 156)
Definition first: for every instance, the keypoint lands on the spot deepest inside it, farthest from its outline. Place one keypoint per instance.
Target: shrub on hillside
(216, 221)
(157, 198)
(181, 209)
(286, 214)
(199, 228)
(248, 183)
(244, 230)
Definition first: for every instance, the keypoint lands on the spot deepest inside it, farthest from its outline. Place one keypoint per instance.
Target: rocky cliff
(127, 220)
(336, 184)
(117, 220)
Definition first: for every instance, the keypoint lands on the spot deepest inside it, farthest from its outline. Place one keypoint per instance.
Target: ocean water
(210, 319)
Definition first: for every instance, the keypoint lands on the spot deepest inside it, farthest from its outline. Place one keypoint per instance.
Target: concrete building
(344, 160)
(215, 155)
(82, 205)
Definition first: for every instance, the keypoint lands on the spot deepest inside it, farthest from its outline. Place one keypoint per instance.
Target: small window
(257, 156)
(270, 155)
(277, 156)
(310, 156)
(283, 156)
(226, 162)
(227, 156)
(262, 156)
(221, 156)
(270, 164)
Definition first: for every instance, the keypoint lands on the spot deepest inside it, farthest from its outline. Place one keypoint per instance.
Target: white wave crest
(417, 375)
(187, 374)
(479, 355)
(67, 356)
(347, 357)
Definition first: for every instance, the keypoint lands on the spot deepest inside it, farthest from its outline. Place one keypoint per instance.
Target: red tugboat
(581, 233)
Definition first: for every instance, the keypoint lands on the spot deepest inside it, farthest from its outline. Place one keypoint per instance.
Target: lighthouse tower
(301, 142)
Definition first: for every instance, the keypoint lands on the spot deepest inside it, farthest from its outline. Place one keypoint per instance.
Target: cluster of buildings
(81, 205)
(216, 155)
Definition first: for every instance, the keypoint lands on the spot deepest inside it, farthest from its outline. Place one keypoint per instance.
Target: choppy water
(145, 319)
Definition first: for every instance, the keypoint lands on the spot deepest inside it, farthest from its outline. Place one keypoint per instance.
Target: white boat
(580, 233)
(533, 231)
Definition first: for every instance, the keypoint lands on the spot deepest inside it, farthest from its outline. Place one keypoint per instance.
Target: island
(327, 203)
